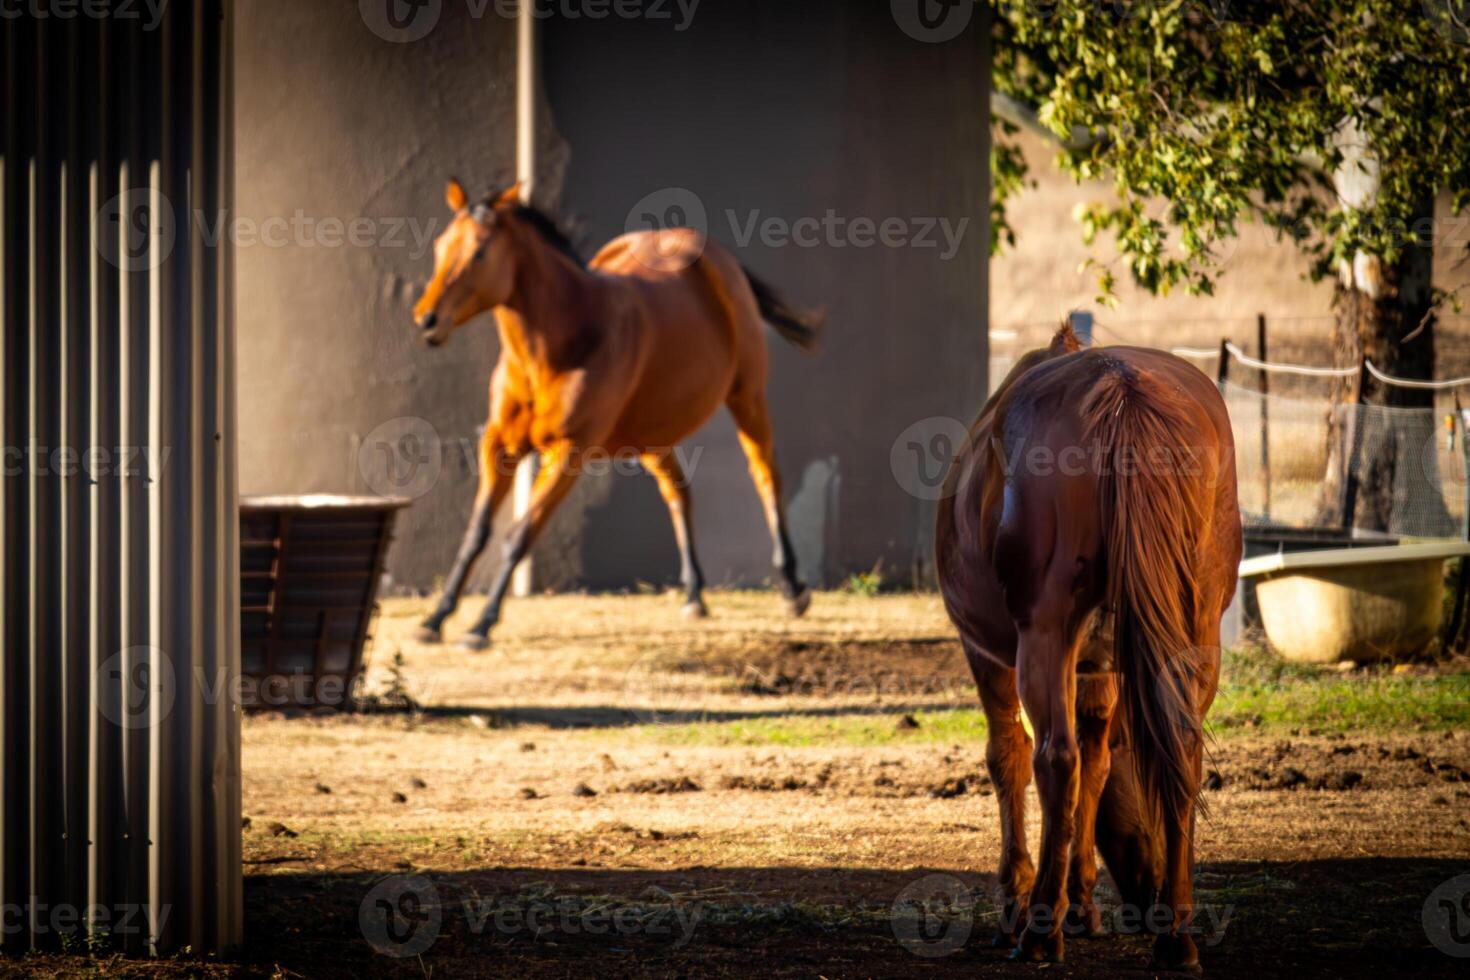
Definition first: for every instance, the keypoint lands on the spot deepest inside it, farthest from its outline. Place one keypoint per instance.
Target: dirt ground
(614, 791)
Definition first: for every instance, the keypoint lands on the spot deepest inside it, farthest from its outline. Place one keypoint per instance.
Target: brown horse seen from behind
(627, 355)
(1087, 546)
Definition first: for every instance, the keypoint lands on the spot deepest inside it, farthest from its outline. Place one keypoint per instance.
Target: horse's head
(474, 265)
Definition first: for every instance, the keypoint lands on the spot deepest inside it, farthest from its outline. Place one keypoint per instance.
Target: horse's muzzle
(427, 323)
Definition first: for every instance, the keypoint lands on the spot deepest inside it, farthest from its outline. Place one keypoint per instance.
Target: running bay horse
(1087, 545)
(627, 355)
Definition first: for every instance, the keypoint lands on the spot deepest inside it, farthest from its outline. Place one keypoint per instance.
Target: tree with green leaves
(1335, 122)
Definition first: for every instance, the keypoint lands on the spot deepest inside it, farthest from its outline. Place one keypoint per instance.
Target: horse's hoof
(799, 603)
(1013, 920)
(474, 642)
(1084, 921)
(1176, 954)
(695, 609)
(428, 634)
(1024, 953)
(1037, 947)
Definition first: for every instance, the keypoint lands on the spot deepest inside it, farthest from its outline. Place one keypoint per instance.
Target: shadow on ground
(1342, 919)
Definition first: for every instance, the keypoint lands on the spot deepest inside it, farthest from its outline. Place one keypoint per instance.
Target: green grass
(876, 728)
(1259, 694)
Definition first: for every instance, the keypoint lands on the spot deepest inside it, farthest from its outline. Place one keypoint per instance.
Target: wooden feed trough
(309, 571)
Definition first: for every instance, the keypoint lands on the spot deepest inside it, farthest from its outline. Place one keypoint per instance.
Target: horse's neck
(554, 303)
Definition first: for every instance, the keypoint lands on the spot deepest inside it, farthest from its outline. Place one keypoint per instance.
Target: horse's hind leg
(1046, 658)
(1128, 835)
(1176, 949)
(673, 484)
(753, 421)
(557, 475)
(497, 466)
(1097, 697)
(1008, 758)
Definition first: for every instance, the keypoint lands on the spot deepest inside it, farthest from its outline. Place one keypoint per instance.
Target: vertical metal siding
(119, 731)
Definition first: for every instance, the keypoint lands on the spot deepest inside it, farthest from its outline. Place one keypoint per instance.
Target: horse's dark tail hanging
(800, 327)
(1151, 517)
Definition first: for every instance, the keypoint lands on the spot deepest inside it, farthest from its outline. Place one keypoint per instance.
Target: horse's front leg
(558, 473)
(673, 486)
(497, 475)
(1047, 678)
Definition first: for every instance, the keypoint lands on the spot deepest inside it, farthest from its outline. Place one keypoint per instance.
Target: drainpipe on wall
(527, 67)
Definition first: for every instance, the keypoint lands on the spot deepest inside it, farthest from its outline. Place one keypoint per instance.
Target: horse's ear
(1065, 341)
(512, 194)
(454, 195)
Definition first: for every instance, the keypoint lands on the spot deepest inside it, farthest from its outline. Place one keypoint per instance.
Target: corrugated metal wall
(119, 734)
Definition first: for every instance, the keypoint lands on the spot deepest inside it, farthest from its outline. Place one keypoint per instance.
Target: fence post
(1355, 451)
(1452, 637)
(1261, 352)
(1223, 372)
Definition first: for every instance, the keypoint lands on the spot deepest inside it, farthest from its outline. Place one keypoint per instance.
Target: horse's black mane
(548, 229)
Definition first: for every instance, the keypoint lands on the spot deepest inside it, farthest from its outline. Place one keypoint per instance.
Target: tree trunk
(1383, 313)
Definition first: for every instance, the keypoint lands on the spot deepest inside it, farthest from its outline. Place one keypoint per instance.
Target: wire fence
(1305, 458)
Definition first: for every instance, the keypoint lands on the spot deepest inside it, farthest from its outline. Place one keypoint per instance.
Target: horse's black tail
(800, 327)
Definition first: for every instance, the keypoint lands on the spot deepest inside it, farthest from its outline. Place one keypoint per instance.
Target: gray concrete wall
(338, 123)
(766, 109)
(773, 111)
